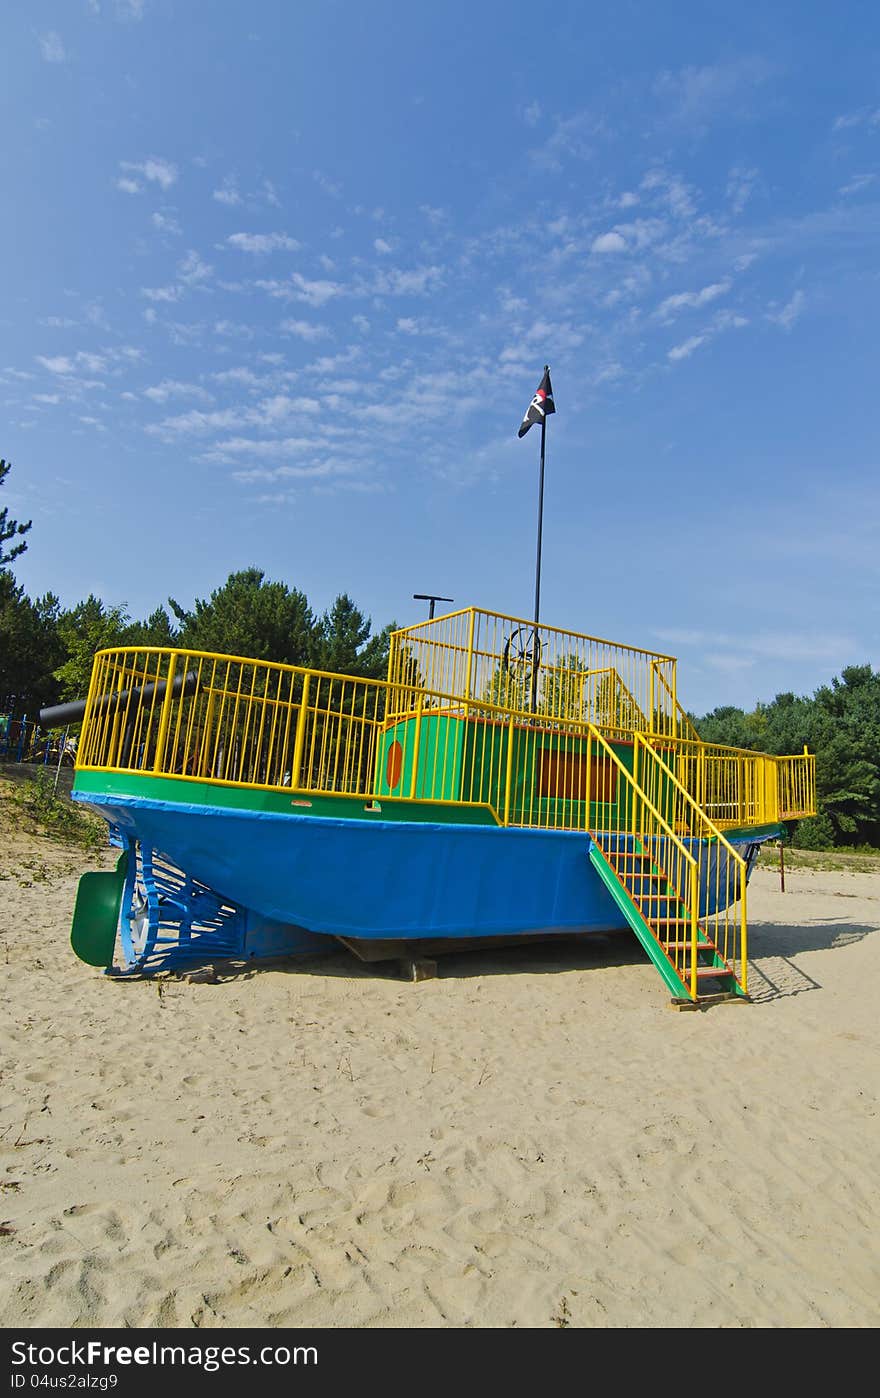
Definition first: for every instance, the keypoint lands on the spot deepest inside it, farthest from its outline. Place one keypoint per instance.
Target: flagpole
(536, 654)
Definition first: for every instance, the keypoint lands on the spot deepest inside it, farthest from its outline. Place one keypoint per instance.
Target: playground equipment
(504, 781)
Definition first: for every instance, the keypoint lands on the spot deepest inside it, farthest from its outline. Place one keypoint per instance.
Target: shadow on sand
(555, 956)
(773, 971)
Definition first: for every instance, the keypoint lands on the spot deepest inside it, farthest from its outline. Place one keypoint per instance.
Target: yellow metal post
(165, 717)
(695, 907)
(470, 654)
(509, 777)
(300, 735)
(744, 932)
(417, 738)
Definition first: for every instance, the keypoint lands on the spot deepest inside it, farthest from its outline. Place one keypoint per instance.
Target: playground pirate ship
(502, 782)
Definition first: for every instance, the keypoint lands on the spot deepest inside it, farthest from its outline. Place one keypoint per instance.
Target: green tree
(84, 629)
(732, 727)
(30, 648)
(846, 740)
(251, 617)
(10, 528)
(344, 644)
(157, 630)
(841, 725)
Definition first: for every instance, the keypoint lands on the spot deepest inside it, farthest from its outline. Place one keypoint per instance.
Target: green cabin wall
(466, 760)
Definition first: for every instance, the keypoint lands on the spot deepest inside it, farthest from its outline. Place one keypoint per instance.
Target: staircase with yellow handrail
(677, 880)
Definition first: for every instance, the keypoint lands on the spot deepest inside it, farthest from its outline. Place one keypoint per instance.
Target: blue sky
(279, 281)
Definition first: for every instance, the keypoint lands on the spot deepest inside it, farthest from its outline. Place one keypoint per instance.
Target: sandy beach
(534, 1138)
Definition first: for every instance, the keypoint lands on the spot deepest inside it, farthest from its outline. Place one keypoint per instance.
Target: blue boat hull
(297, 879)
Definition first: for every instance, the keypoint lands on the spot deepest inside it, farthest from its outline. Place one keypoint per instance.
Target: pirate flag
(540, 407)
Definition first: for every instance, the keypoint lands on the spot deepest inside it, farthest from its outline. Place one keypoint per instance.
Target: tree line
(840, 723)
(46, 650)
(46, 657)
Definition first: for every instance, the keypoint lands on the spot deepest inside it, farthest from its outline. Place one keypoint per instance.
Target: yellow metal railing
(796, 784)
(739, 787)
(505, 660)
(606, 702)
(721, 871)
(245, 722)
(637, 826)
(681, 725)
(226, 719)
(698, 898)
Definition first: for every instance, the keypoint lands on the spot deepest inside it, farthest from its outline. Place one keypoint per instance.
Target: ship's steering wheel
(521, 650)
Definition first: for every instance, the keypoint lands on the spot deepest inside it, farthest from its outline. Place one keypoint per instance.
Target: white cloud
(193, 269)
(408, 325)
(232, 329)
(642, 232)
(161, 293)
(127, 185)
(532, 113)
(729, 320)
(329, 363)
(724, 89)
(562, 335)
(92, 363)
(382, 247)
(572, 137)
(789, 313)
(228, 191)
(608, 373)
(47, 397)
(195, 423)
(165, 223)
(628, 200)
(303, 329)
(65, 364)
(864, 117)
(691, 298)
(172, 388)
(123, 9)
(52, 48)
(59, 364)
(154, 169)
(314, 293)
(248, 446)
(415, 282)
(262, 242)
(671, 191)
(740, 184)
(608, 242)
(687, 347)
(327, 185)
(509, 303)
(857, 183)
(244, 376)
(270, 411)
